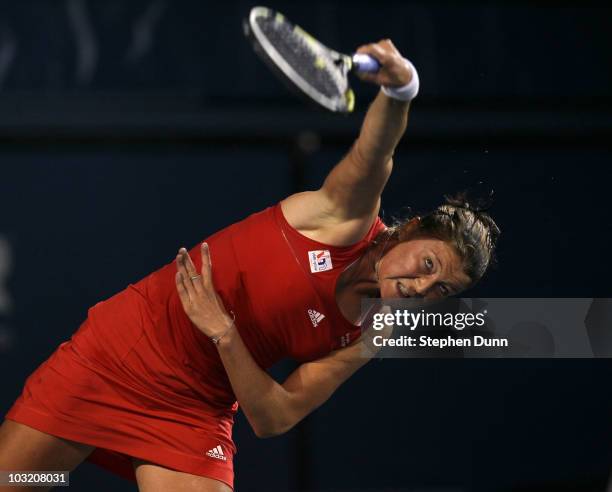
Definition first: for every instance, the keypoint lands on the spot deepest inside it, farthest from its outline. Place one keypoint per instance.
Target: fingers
(190, 278)
(383, 51)
(206, 265)
(190, 267)
(368, 77)
(395, 71)
(374, 51)
(200, 301)
(183, 277)
(192, 274)
(389, 44)
(182, 289)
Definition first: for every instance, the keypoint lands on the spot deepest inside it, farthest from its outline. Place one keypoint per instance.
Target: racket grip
(365, 63)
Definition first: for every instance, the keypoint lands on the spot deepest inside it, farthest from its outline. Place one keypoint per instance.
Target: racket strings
(318, 69)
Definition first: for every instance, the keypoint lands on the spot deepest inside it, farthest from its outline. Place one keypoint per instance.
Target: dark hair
(468, 228)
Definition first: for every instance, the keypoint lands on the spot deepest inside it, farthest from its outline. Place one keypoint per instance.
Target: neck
(363, 274)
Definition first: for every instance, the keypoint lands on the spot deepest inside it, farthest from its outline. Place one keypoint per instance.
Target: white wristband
(407, 92)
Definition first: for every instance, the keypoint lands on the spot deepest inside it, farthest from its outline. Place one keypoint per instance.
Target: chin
(388, 298)
(388, 291)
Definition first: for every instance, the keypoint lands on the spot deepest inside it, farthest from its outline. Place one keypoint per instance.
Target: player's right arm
(343, 209)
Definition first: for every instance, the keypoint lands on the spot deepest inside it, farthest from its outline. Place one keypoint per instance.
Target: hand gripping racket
(316, 71)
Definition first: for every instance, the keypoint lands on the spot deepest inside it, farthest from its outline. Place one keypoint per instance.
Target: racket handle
(365, 63)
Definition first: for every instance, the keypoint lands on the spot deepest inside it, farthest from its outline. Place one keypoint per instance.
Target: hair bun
(474, 204)
(477, 208)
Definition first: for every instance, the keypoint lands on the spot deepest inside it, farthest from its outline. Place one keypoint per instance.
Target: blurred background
(130, 128)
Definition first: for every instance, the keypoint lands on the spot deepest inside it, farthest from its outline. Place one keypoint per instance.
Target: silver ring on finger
(193, 277)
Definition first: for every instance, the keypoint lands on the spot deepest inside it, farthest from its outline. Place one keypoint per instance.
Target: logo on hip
(216, 453)
(320, 260)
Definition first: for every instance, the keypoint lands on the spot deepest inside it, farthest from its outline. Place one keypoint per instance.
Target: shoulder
(312, 214)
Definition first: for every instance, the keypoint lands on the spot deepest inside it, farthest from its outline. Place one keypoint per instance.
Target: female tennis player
(149, 384)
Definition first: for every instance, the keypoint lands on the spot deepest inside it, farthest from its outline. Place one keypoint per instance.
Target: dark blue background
(105, 175)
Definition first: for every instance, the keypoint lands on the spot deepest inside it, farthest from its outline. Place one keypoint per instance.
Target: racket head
(307, 66)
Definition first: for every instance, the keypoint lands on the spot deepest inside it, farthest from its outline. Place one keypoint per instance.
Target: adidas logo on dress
(315, 317)
(345, 340)
(216, 453)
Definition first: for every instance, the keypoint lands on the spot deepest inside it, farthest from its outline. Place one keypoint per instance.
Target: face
(423, 267)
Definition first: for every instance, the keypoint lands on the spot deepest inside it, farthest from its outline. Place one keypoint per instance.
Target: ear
(410, 228)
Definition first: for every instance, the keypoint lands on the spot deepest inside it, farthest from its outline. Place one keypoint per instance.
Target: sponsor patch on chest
(320, 260)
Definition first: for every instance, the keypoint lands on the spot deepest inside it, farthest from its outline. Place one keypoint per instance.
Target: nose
(423, 284)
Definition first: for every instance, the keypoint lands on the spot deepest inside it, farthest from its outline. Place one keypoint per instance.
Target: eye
(429, 264)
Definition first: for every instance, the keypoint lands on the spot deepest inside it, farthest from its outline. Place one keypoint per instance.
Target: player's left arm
(343, 209)
(271, 408)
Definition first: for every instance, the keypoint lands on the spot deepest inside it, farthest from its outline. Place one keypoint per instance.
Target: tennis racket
(308, 66)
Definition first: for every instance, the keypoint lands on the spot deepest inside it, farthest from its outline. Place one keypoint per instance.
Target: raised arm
(270, 407)
(343, 209)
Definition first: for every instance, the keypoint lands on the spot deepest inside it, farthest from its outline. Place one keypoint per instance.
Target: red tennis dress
(139, 380)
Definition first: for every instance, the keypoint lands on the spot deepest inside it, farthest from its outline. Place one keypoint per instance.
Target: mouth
(401, 290)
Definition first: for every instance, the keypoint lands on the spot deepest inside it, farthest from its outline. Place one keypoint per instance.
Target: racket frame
(270, 55)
